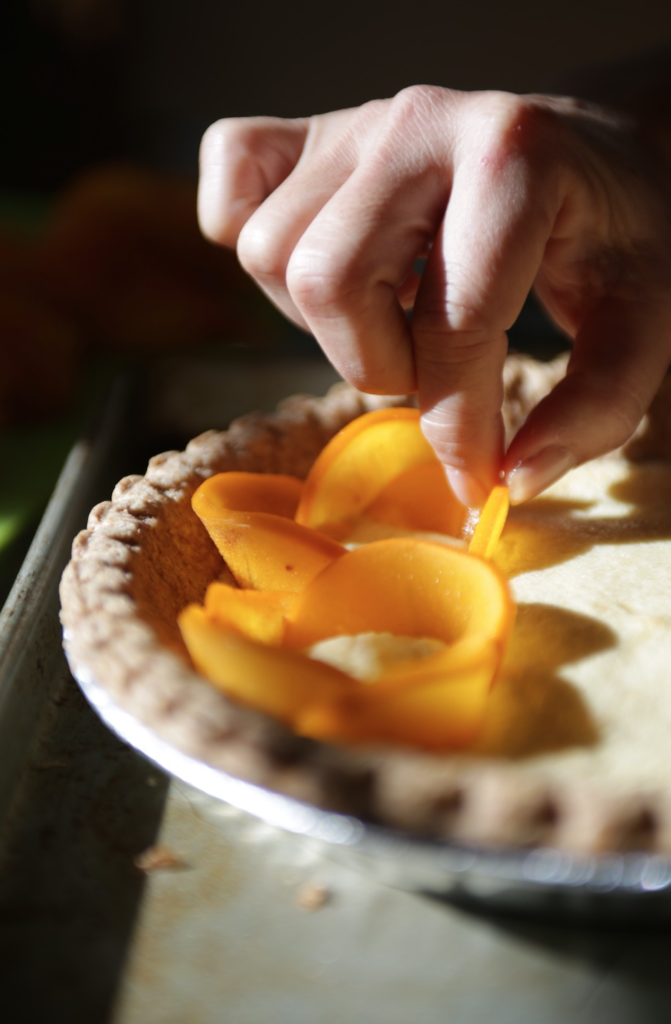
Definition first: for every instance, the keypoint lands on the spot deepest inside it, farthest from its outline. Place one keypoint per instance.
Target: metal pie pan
(510, 878)
(552, 882)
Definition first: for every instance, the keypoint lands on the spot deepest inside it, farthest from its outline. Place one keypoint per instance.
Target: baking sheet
(225, 934)
(29, 633)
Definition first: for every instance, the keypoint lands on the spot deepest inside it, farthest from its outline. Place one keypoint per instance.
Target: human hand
(501, 193)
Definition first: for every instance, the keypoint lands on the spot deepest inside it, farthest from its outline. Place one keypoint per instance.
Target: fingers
(335, 244)
(351, 267)
(330, 215)
(271, 234)
(242, 161)
(478, 276)
(621, 353)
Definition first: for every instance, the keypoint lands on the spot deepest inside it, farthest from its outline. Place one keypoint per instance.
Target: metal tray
(85, 935)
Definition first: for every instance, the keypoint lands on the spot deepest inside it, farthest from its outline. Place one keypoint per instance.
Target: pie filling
(395, 593)
(572, 747)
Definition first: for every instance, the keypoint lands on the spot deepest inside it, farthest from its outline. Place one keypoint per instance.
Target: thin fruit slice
(420, 499)
(491, 521)
(248, 492)
(257, 614)
(358, 464)
(278, 682)
(438, 712)
(404, 586)
(247, 517)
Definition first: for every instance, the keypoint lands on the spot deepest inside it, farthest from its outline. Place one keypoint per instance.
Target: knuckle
(363, 378)
(417, 113)
(261, 252)
(453, 434)
(464, 363)
(598, 412)
(373, 373)
(624, 408)
(319, 282)
(453, 314)
(466, 319)
(502, 128)
(416, 101)
(500, 112)
(370, 113)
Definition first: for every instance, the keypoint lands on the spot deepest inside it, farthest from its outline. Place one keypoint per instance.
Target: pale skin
(502, 194)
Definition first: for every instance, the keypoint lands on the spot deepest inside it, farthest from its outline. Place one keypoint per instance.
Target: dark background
(89, 80)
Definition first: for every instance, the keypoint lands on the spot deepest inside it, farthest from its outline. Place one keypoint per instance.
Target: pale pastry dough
(576, 751)
(366, 655)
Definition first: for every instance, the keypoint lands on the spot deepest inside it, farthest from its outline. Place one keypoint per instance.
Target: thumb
(242, 161)
(621, 354)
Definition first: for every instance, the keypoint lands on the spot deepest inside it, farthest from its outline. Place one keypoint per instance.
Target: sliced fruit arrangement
(298, 586)
(363, 470)
(249, 516)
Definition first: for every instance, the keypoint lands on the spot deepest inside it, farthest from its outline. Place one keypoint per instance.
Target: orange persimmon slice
(247, 517)
(358, 464)
(491, 521)
(420, 499)
(248, 492)
(257, 614)
(278, 682)
(404, 586)
(436, 709)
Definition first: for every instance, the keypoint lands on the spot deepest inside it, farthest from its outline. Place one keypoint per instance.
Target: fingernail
(467, 488)
(536, 473)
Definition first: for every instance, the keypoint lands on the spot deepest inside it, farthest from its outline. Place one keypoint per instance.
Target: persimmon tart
(211, 620)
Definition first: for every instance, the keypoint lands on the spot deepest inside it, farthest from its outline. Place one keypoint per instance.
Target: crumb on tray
(159, 858)
(312, 896)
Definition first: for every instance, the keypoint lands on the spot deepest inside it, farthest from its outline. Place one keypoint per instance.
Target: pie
(575, 752)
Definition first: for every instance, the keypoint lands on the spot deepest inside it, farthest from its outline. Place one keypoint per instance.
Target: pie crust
(576, 753)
